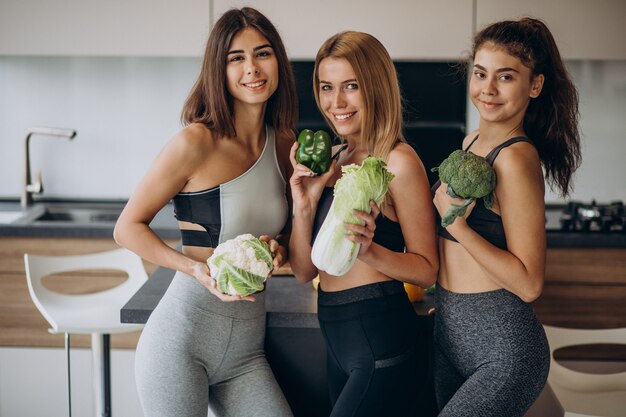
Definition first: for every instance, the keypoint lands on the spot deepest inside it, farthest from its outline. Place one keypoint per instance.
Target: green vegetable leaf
(262, 251)
(455, 211)
(332, 252)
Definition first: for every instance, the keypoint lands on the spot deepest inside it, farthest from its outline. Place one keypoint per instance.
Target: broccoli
(468, 176)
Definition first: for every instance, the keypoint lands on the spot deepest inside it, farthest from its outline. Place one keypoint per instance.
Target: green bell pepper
(314, 150)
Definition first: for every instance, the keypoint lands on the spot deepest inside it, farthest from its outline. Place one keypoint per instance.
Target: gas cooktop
(591, 217)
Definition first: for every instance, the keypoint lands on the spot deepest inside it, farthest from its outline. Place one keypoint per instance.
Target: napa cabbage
(241, 265)
(359, 184)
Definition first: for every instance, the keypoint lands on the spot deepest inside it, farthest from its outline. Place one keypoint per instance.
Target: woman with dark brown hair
(491, 352)
(226, 173)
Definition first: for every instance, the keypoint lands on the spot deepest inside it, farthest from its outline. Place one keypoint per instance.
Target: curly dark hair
(551, 119)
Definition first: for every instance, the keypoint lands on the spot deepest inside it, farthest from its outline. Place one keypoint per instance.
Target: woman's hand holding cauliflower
(239, 267)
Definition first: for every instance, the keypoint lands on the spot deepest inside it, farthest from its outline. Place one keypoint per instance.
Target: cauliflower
(468, 176)
(241, 265)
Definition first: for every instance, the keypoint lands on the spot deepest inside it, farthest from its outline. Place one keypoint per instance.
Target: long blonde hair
(381, 122)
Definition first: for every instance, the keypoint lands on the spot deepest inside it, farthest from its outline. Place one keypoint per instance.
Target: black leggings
(370, 340)
(491, 354)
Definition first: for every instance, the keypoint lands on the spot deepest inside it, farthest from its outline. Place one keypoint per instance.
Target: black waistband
(363, 292)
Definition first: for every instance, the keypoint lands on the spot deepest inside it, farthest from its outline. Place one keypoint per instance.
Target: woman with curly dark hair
(491, 353)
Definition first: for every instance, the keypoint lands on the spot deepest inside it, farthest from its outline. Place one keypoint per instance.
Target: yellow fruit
(316, 282)
(415, 292)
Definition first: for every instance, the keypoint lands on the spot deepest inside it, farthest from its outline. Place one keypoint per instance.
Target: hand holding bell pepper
(314, 150)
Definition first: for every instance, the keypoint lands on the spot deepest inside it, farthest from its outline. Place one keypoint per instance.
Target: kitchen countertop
(289, 303)
(165, 225)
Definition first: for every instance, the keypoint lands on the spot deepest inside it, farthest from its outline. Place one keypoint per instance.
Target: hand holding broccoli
(468, 176)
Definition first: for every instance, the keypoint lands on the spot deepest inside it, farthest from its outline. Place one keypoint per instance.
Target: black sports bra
(482, 220)
(388, 233)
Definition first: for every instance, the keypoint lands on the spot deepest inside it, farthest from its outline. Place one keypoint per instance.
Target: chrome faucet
(37, 188)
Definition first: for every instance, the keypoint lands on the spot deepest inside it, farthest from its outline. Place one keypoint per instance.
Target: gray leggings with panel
(491, 354)
(197, 352)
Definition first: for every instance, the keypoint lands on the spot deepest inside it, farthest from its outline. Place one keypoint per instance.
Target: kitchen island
(294, 344)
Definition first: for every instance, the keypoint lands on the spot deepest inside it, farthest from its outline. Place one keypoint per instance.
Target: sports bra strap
(493, 154)
(471, 143)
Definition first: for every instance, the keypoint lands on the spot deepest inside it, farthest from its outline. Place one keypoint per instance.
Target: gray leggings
(491, 354)
(197, 352)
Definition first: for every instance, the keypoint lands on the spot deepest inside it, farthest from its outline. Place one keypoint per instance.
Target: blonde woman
(365, 315)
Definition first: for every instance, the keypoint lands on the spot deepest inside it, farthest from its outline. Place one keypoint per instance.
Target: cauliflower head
(241, 265)
(468, 176)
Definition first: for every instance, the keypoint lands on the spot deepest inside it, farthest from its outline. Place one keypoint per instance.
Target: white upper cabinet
(104, 28)
(583, 29)
(409, 29)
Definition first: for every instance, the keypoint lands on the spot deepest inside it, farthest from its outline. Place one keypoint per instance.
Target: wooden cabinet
(582, 29)
(409, 29)
(585, 288)
(104, 28)
(21, 324)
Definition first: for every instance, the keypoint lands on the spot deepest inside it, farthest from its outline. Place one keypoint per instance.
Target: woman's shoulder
(403, 159)
(517, 157)
(194, 137)
(402, 153)
(192, 142)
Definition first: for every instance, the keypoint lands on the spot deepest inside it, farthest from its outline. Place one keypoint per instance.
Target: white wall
(124, 109)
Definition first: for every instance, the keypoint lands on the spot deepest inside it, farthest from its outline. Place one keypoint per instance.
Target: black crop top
(482, 220)
(388, 233)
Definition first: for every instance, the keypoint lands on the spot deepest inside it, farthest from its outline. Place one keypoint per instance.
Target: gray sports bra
(255, 202)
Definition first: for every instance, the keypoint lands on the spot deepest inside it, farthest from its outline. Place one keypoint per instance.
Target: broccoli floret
(468, 176)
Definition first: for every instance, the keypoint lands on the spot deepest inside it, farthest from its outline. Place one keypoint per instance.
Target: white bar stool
(584, 394)
(97, 314)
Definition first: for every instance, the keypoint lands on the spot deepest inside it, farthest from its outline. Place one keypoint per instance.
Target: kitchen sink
(78, 215)
(76, 218)
(71, 214)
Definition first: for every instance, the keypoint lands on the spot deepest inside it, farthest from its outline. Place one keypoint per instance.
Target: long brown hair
(209, 101)
(381, 123)
(551, 120)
